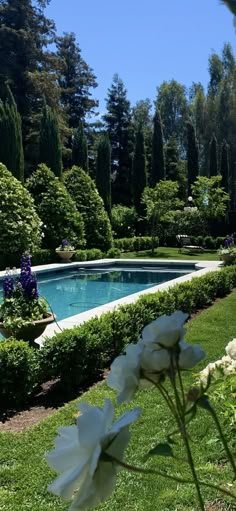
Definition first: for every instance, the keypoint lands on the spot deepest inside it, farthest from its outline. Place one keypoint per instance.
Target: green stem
(223, 439)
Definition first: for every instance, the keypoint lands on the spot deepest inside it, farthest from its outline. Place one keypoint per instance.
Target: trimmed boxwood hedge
(80, 355)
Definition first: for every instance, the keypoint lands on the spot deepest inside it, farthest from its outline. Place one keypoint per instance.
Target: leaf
(160, 450)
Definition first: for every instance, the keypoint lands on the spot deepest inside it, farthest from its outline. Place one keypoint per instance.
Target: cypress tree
(139, 170)
(224, 166)
(80, 148)
(103, 172)
(171, 159)
(49, 143)
(158, 160)
(11, 148)
(213, 166)
(192, 156)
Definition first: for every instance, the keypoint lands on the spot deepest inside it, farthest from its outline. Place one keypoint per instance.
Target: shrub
(18, 372)
(81, 255)
(19, 222)
(114, 253)
(78, 356)
(43, 256)
(123, 220)
(56, 209)
(135, 243)
(94, 254)
(209, 243)
(89, 203)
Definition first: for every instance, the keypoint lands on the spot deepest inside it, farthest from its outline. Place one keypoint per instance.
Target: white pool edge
(76, 320)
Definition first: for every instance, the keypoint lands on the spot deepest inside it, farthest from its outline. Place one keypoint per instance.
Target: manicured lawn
(173, 253)
(24, 474)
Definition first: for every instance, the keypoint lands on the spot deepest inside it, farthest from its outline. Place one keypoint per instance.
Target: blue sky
(145, 41)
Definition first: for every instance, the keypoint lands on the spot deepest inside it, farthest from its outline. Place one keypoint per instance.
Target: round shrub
(123, 221)
(94, 254)
(89, 203)
(209, 243)
(18, 372)
(114, 253)
(19, 222)
(81, 255)
(56, 209)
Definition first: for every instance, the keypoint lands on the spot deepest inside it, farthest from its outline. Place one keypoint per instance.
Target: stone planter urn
(66, 255)
(31, 332)
(228, 258)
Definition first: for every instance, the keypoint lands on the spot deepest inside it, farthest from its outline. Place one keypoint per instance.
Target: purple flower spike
(31, 288)
(8, 286)
(65, 243)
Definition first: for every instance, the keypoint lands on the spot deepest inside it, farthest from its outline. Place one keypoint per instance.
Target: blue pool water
(74, 291)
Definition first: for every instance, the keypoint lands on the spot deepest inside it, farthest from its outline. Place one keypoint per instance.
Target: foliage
(94, 254)
(19, 222)
(56, 209)
(80, 148)
(224, 166)
(11, 148)
(123, 220)
(158, 158)
(139, 173)
(118, 126)
(114, 253)
(135, 243)
(65, 246)
(90, 205)
(18, 372)
(49, 142)
(209, 197)
(172, 104)
(192, 156)
(103, 172)
(76, 79)
(213, 157)
(159, 203)
(21, 302)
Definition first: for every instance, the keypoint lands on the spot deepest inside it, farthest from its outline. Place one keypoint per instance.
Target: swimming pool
(76, 290)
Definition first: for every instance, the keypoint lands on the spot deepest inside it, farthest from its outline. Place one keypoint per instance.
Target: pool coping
(202, 267)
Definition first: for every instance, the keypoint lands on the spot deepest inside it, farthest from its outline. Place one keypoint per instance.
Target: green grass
(173, 253)
(24, 474)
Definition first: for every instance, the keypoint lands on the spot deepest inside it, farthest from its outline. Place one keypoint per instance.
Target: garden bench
(185, 243)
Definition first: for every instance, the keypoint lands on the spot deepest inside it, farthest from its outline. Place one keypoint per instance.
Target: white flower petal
(166, 330)
(231, 349)
(190, 355)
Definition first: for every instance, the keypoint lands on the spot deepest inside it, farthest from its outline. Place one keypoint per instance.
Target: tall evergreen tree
(224, 166)
(171, 159)
(11, 148)
(27, 65)
(213, 159)
(76, 79)
(118, 125)
(173, 106)
(50, 143)
(103, 172)
(192, 156)
(158, 159)
(139, 170)
(80, 148)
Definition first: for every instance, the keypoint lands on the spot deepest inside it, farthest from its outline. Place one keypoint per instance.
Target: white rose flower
(231, 349)
(166, 331)
(124, 376)
(155, 359)
(86, 477)
(190, 355)
(230, 369)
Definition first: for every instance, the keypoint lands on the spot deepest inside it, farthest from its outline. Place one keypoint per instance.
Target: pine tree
(80, 148)
(103, 172)
(158, 160)
(11, 149)
(213, 161)
(171, 159)
(192, 156)
(49, 143)
(76, 79)
(224, 166)
(118, 125)
(139, 171)
(25, 33)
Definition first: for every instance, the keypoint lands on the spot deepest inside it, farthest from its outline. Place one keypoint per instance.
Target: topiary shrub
(94, 254)
(114, 253)
(56, 209)
(81, 255)
(89, 203)
(18, 372)
(19, 222)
